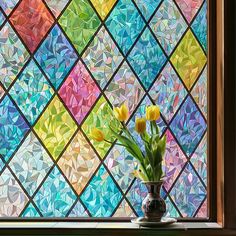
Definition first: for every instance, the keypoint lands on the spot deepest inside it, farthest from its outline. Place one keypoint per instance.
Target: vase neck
(154, 188)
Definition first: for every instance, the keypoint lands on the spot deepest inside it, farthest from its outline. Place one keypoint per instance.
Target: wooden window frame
(221, 122)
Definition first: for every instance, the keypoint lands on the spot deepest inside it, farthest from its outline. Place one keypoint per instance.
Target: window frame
(213, 158)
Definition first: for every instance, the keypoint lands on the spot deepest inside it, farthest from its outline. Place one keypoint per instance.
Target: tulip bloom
(140, 125)
(97, 135)
(152, 113)
(121, 113)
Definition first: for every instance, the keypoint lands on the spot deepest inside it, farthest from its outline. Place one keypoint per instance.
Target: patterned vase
(153, 206)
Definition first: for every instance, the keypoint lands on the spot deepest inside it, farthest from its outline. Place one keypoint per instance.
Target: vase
(153, 206)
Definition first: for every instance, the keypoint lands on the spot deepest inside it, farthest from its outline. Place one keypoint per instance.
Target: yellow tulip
(121, 113)
(140, 125)
(97, 135)
(152, 113)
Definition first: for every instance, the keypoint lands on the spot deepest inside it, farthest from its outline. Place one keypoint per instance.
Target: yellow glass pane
(103, 7)
(189, 59)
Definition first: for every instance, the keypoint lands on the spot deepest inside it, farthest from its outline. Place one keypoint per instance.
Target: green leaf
(140, 175)
(155, 128)
(133, 147)
(159, 151)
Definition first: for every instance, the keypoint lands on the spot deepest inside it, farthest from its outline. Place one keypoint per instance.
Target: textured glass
(124, 210)
(121, 165)
(31, 163)
(12, 128)
(56, 56)
(125, 88)
(199, 92)
(188, 192)
(147, 7)
(189, 59)
(31, 92)
(125, 24)
(64, 66)
(101, 195)
(80, 22)
(147, 58)
(55, 197)
(13, 55)
(2, 18)
(78, 211)
(79, 92)
(55, 127)
(8, 5)
(199, 159)
(79, 162)
(102, 57)
(30, 211)
(103, 7)
(174, 160)
(188, 126)
(56, 6)
(168, 92)
(189, 7)
(199, 26)
(32, 21)
(13, 198)
(168, 25)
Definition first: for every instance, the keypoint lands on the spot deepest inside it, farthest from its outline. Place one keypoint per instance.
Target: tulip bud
(97, 135)
(121, 113)
(152, 113)
(140, 125)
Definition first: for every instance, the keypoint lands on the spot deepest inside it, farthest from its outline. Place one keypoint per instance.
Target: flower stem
(119, 144)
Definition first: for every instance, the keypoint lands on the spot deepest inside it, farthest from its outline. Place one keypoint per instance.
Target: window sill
(109, 229)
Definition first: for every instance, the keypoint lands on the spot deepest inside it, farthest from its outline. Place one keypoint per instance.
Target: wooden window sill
(110, 229)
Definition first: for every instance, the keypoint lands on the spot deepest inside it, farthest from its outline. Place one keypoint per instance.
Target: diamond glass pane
(188, 192)
(13, 128)
(56, 56)
(79, 92)
(102, 195)
(55, 197)
(168, 92)
(31, 92)
(79, 22)
(32, 20)
(189, 59)
(55, 127)
(31, 163)
(64, 65)
(125, 88)
(189, 7)
(147, 58)
(125, 24)
(13, 55)
(102, 57)
(168, 25)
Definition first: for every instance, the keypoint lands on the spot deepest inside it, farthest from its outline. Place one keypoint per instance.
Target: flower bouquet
(149, 168)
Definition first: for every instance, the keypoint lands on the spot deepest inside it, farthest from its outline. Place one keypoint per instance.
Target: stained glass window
(63, 65)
